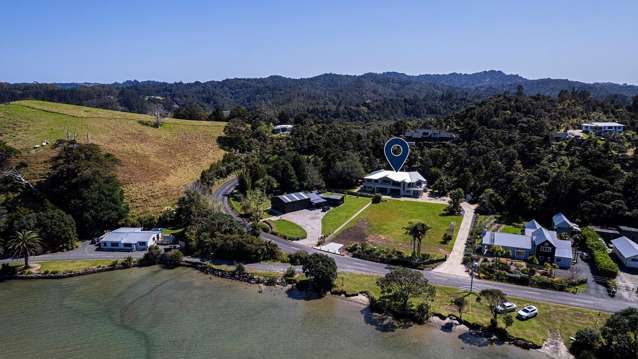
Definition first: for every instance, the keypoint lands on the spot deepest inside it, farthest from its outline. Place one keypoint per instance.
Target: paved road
(454, 262)
(349, 264)
(84, 251)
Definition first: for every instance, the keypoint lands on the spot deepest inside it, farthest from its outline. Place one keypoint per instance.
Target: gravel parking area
(310, 221)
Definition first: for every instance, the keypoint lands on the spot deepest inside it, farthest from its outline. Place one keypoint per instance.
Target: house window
(141, 244)
(115, 244)
(128, 245)
(519, 253)
(546, 249)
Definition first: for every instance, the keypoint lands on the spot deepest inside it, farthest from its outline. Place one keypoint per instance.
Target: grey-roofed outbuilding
(563, 224)
(626, 250)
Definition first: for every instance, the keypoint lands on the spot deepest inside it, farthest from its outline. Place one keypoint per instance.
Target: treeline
(220, 101)
(505, 158)
(368, 97)
(80, 198)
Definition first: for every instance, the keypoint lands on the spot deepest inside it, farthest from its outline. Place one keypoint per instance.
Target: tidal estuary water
(181, 313)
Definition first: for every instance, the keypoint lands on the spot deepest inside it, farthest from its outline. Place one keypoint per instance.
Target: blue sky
(106, 41)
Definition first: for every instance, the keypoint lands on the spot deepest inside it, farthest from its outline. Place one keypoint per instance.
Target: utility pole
(472, 270)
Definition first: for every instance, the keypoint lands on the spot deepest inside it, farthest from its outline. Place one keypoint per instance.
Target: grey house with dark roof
(536, 241)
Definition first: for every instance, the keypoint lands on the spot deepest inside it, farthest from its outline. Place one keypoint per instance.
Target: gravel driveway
(310, 221)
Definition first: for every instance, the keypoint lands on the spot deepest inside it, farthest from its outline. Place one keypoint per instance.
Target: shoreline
(553, 347)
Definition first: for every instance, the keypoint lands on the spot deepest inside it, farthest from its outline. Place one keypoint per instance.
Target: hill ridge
(155, 163)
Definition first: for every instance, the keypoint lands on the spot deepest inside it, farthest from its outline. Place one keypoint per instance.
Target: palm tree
(417, 231)
(24, 244)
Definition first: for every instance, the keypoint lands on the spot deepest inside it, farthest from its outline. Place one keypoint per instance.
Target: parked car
(325, 208)
(505, 307)
(528, 312)
(584, 256)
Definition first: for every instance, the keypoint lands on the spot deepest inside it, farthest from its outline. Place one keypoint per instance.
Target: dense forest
(505, 158)
(328, 97)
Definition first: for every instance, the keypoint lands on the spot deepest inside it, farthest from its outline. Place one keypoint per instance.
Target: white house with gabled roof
(129, 239)
(536, 241)
(391, 183)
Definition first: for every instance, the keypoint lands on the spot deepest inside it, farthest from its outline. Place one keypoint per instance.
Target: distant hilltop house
(626, 250)
(603, 128)
(304, 200)
(129, 239)
(404, 184)
(430, 134)
(536, 241)
(282, 129)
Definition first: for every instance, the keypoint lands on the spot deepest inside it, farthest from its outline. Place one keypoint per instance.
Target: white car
(529, 311)
(505, 307)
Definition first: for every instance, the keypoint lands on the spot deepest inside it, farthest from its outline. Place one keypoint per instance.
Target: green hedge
(392, 256)
(602, 261)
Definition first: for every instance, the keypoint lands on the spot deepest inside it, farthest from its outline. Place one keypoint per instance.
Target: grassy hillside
(156, 163)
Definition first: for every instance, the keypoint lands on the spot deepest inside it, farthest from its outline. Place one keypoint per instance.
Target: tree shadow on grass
(384, 322)
(148, 123)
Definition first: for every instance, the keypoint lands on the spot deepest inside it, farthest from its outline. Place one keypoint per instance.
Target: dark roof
(315, 198)
(628, 229)
(336, 196)
(293, 197)
(605, 230)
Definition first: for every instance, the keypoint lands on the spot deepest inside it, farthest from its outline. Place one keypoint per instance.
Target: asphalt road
(349, 264)
(84, 251)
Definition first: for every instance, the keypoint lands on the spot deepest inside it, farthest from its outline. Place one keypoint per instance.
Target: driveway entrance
(310, 221)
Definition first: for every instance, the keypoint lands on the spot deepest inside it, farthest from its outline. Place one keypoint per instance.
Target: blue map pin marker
(396, 152)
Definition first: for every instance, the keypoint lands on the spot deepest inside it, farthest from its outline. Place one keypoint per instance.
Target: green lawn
(72, 266)
(172, 230)
(339, 215)
(287, 229)
(552, 317)
(385, 223)
(235, 202)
